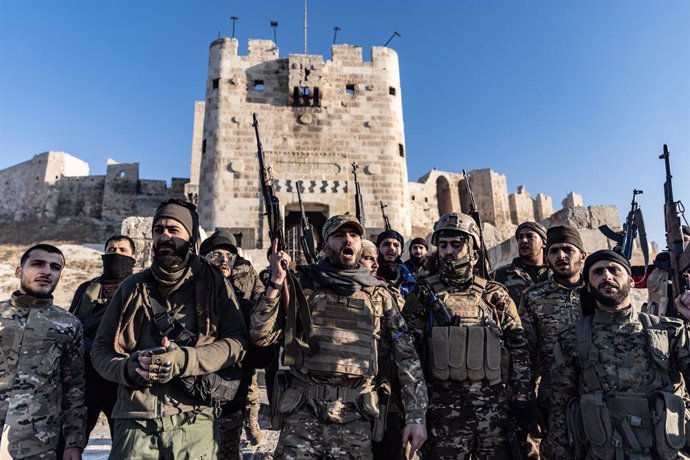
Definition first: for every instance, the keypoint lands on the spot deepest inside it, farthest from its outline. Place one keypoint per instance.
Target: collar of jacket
(556, 285)
(614, 317)
(20, 300)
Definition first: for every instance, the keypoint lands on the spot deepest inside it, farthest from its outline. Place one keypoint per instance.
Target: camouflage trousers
(466, 419)
(190, 435)
(229, 430)
(305, 436)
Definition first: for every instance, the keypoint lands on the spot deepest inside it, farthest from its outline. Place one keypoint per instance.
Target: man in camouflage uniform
(617, 385)
(331, 399)
(41, 365)
(548, 307)
(220, 249)
(474, 345)
(89, 304)
(528, 268)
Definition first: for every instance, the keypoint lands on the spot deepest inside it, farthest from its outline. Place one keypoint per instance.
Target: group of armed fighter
(365, 356)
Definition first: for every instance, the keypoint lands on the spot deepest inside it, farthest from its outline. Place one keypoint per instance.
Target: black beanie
(390, 234)
(564, 234)
(605, 254)
(222, 239)
(421, 241)
(184, 213)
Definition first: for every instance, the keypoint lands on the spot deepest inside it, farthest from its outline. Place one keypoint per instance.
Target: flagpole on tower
(305, 26)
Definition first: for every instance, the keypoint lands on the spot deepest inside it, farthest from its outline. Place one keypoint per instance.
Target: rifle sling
(167, 326)
(297, 305)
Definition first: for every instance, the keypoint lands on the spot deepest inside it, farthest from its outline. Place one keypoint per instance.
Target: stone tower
(316, 118)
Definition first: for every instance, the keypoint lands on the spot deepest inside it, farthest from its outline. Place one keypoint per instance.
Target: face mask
(456, 272)
(116, 266)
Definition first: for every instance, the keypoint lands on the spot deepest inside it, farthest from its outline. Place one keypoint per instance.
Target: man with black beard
(331, 397)
(475, 347)
(89, 304)
(41, 365)
(184, 299)
(529, 267)
(546, 309)
(617, 381)
(391, 267)
(419, 250)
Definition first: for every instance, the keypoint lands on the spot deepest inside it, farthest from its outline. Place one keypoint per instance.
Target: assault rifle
(306, 239)
(633, 224)
(679, 258)
(359, 202)
(438, 308)
(298, 316)
(386, 222)
(484, 264)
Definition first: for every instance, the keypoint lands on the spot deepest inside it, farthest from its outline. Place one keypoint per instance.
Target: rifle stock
(386, 222)
(359, 202)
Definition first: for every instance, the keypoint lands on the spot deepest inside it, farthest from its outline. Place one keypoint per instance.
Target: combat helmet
(458, 222)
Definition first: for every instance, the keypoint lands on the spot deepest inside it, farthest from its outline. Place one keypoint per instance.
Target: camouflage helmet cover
(458, 222)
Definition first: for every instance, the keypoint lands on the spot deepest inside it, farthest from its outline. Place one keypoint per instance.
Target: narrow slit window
(350, 89)
(401, 150)
(391, 90)
(258, 85)
(215, 83)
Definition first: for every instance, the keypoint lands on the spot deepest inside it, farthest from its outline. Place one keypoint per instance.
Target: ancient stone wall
(55, 185)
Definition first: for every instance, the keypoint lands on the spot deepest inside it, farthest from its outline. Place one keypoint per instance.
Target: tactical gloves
(165, 366)
(133, 377)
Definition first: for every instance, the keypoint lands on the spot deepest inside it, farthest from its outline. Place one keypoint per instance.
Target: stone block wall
(521, 206)
(316, 117)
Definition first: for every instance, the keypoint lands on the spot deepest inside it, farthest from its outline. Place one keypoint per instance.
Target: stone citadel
(317, 116)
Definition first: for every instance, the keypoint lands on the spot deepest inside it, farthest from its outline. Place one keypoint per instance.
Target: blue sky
(557, 95)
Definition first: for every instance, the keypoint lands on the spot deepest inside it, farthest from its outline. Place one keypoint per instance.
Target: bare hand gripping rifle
(359, 202)
(679, 258)
(306, 239)
(484, 264)
(633, 225)
(298, 323)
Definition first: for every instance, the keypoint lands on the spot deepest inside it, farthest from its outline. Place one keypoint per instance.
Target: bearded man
(618, 377)
(164, 327)
(331, 397)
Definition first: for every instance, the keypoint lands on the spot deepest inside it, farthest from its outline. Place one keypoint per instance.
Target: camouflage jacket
(245, 279)
(267, 328)
(41, 377)
(624, 365)
(504, 310)
(517, 276)
(546, 309)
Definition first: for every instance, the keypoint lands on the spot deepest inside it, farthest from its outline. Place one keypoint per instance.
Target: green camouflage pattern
(267, 324)
(546, 309)
(624, 366)
(469, 418)
(466, 418)
(304, 436)
(245, 279)
(516, 277)
(41, 378)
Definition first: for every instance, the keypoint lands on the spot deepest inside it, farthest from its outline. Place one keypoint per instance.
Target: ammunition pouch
(670, 427)
(214, 388)
(465, 353)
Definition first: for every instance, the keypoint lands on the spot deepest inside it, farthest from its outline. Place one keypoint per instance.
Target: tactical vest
(644, 425)
(471, 348)
(347, 329)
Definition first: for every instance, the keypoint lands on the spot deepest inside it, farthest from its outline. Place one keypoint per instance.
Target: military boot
(252, 428)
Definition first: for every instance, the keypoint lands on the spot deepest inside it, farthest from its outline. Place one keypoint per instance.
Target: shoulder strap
(167, 326)
(583, 332)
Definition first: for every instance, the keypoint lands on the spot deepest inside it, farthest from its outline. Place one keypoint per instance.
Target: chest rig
(348, 330)
(647, 424)
(470, 348)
